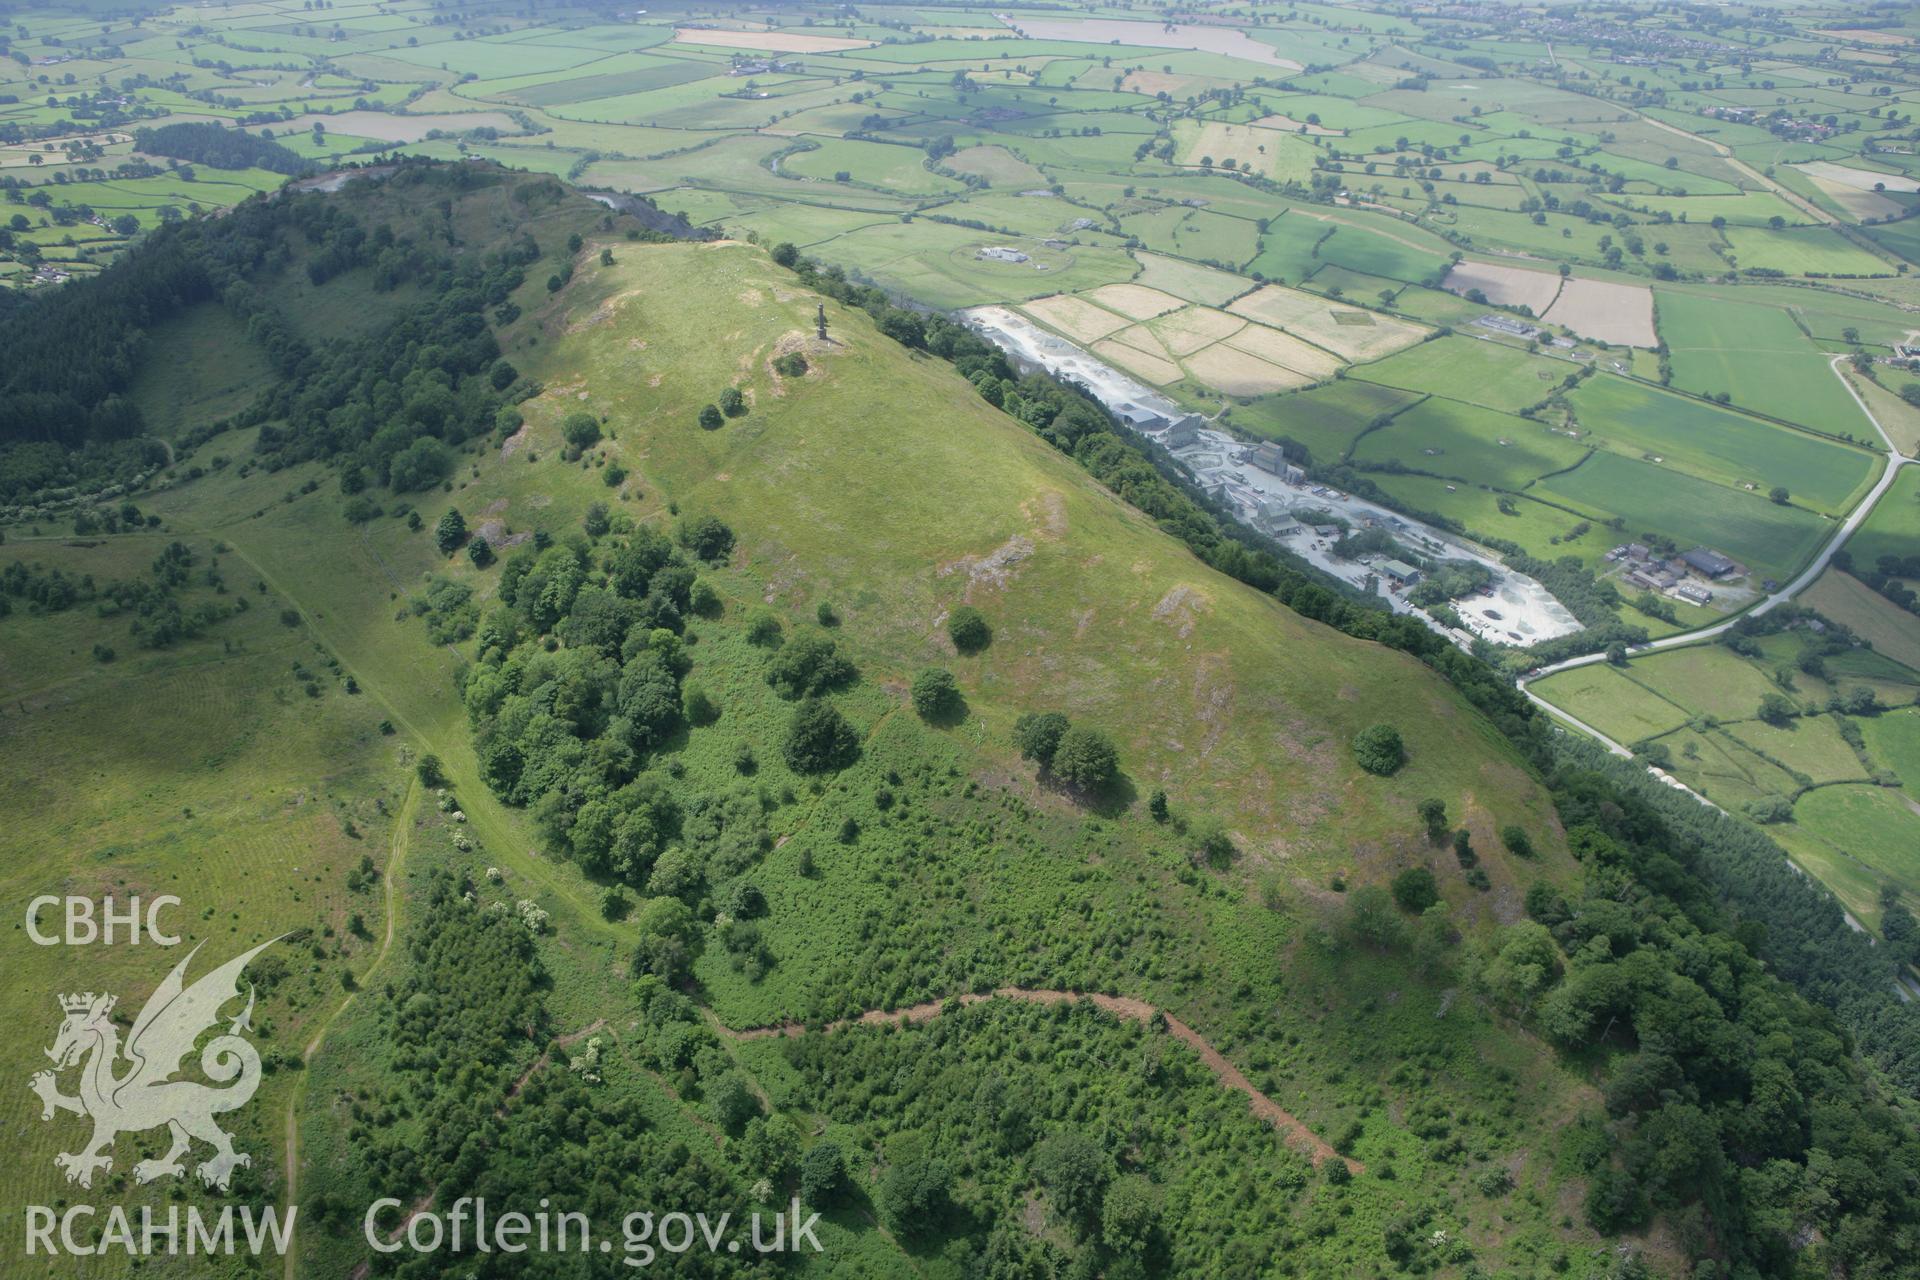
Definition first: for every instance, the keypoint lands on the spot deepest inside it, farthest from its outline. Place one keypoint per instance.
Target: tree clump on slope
(1038, 735)
(809, 663)
(1085, 758)
(819, 739)
(935, 695)
(967, 628)
(1378, 749)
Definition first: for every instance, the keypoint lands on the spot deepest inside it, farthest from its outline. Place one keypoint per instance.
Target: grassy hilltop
(533, 965)
(876, 483)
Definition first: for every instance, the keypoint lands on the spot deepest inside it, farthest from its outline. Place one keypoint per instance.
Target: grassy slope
(203, 771)
(868, 485)
(889, 504)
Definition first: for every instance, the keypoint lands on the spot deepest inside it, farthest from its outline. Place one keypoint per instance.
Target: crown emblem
(84, 1003)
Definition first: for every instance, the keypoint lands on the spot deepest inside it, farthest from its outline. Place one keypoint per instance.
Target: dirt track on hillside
(1294, 1130)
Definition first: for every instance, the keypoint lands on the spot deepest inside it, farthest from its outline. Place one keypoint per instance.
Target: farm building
(1709, 563)
(765, 66)
(1507, 325)
(1653, 578)
(1693, 593)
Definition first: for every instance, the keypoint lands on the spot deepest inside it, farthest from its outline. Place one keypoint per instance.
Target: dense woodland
(219, 147)
(404, 393)
(1736, 1101)
(460, 1031)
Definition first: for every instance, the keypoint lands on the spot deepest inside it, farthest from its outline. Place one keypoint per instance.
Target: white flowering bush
(587, 1065)
(532, 915)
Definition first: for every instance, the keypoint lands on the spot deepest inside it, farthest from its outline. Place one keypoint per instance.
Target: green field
(897, 169)
(1287, 249)
(1894, 527)
(1465, 442)
(1636, 421)
(1698, 706)
(1325, 420)
(1706, 679)
(1803, 251)
(1759, 358)
(1746, 526)
(1894, 741)
(204, 769)
(1612, 702)
(1868, 826)
(1481, 372)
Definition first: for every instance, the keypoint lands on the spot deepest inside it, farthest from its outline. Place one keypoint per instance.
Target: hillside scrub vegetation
(761, 843)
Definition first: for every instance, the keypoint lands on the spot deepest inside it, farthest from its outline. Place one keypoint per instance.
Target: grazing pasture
(1482, 371)
(1612, 702)
(1651, 498)
(1759, 358)
(1894, 527)
(1325, 420)
(1288, 248)
(1188, 280)
(1889, 628)
(1801, 251)
(1718, 444)
(1381, 253)
(902, 170)
(1810, 746)
(1197, 234)
(1893, 739)
(1872, 826)
(1465, 442)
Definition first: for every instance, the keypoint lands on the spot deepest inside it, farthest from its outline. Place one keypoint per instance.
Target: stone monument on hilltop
(820, 321)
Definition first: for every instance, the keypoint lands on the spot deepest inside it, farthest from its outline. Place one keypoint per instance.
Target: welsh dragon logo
(145, 1095)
